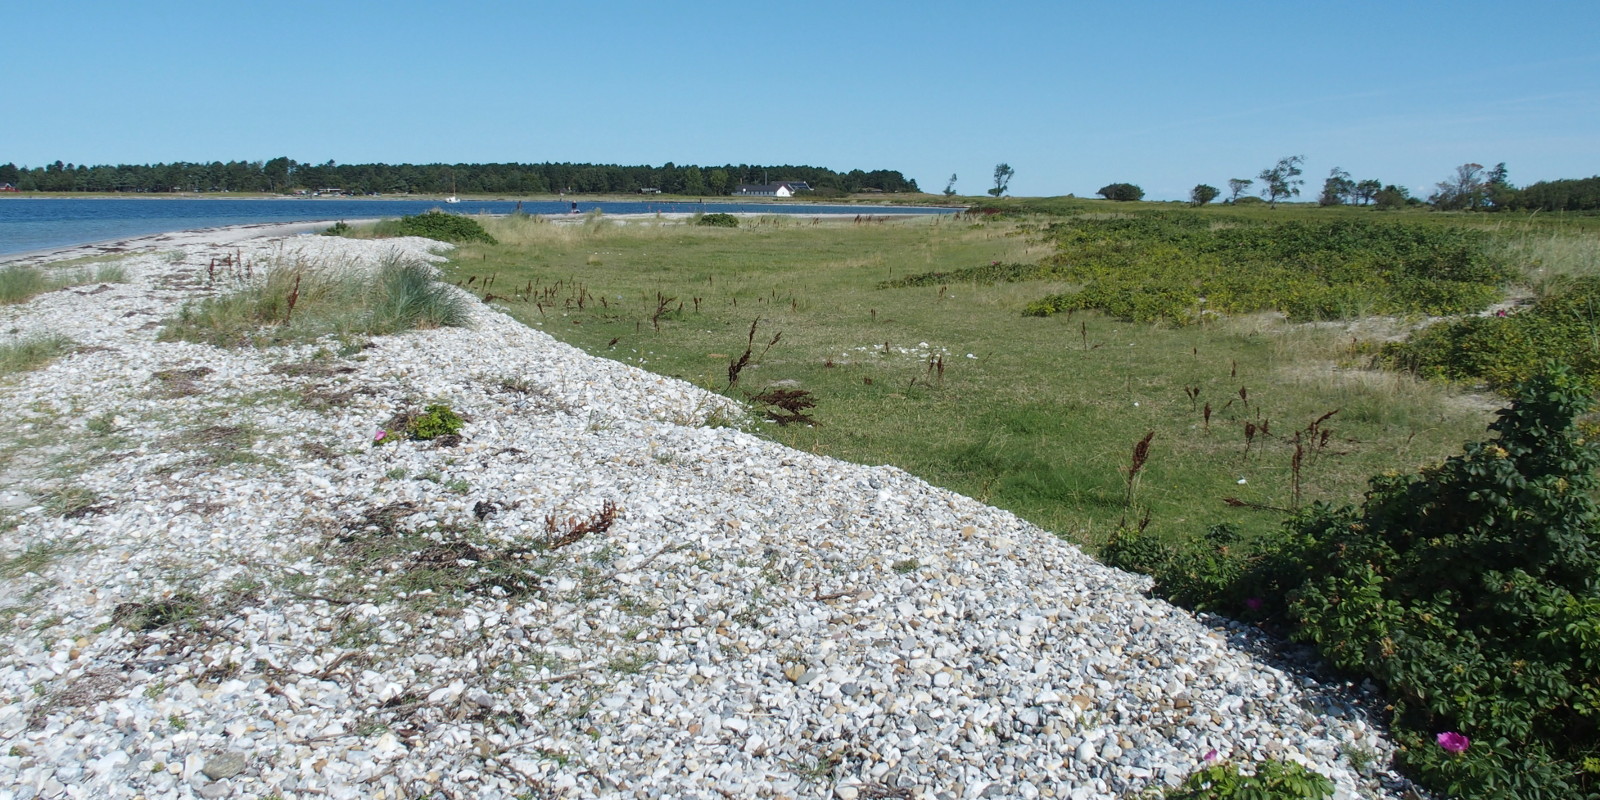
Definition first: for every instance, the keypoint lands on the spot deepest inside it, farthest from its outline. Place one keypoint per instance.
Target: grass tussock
(19, 284)
(297, 302)
(32, 352)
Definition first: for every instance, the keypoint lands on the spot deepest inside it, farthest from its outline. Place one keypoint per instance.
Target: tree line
(284, 175)
(1472, 188)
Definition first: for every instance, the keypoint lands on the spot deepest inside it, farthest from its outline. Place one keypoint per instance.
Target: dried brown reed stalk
(661, 308)
(559, 533)
(294, 297)
(736, 366)
(1141, 453)
(788, 405)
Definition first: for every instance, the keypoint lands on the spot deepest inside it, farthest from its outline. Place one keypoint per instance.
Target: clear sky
(1073, 95)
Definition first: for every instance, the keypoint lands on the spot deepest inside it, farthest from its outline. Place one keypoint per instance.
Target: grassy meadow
(951, 382)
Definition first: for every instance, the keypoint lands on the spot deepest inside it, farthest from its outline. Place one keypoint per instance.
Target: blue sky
(1073, 95)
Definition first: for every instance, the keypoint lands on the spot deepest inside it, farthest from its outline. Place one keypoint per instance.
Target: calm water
(43, 223)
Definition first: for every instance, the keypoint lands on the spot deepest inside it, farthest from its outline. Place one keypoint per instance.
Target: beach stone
(225, 765)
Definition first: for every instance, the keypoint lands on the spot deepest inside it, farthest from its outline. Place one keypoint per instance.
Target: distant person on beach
(574, 207)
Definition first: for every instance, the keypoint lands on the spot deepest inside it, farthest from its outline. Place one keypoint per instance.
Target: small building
(6, 187)
(779, 189)
(649, 190)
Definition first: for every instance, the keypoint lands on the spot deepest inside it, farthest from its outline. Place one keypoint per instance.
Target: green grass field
(952, 383)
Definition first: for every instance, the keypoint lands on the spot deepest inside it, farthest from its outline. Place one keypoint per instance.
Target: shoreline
(132, 245)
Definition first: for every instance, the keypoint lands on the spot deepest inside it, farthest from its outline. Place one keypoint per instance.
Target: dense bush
(1470, 592)
(1178, 266)
(1124, 192)
(718, 220)
(1503, 351)
(443, 227)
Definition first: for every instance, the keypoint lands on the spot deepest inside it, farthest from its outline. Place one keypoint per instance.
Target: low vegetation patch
(436, 421)
(297, 303)
(19, 284)
(1506, 349)
(1178, 267)
(32, 352)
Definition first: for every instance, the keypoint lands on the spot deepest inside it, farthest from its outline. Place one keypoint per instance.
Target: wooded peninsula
(287, 175)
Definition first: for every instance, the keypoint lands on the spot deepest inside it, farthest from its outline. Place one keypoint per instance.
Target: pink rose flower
(1453, 742)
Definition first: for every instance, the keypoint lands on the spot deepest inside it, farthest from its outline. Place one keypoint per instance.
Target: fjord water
(41, 223)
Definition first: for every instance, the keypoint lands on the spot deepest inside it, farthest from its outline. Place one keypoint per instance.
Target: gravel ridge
(216, 585)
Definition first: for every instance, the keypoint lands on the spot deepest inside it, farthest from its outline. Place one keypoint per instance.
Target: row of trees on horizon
(1471, 188)
(284, 175)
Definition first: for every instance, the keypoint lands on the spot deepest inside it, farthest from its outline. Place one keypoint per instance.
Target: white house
(779, 189)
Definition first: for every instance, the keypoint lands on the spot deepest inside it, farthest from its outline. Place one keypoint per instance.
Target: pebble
(739, 629)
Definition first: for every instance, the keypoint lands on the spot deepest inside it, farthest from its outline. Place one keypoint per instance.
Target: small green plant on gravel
(1271, 780)
(178, 609)
(71, 501)
(432, 422)
(34, 558)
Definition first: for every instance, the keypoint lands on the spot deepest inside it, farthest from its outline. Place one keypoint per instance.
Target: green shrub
(1471, 591)
(435, 421)
(432, 422)
(718, 220)
(1504, 351)
(1202, 574)
(442, 227)
(1273, 780)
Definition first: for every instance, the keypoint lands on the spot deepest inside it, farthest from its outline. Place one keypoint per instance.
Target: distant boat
(452, 198)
